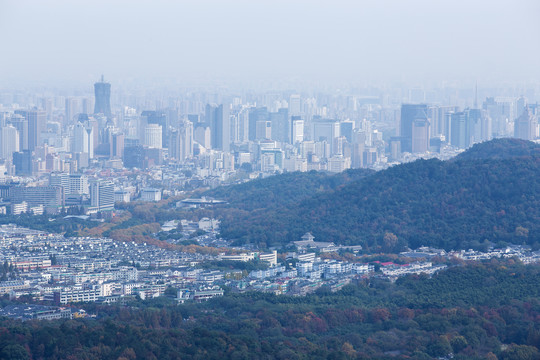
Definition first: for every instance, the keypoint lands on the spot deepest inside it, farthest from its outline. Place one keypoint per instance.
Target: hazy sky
(350, 41)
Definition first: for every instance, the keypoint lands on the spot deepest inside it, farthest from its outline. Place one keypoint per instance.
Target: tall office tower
(217, 116)
(71, 110)
(346, 129)
(525, 126)
(420, 135)
(326, 130)
(116, 150)
(297, 129)
(280, 125)
(9, 142)
(83, 140)
(411, 114)
(181, 142)
(153, 136)
(295, 107)
(102, 92)
(521, 104)
(255, 115)
(23, 163)
(202, 135)
(476, 126)
(502, 111)
(438, 115)
(458, 130)
(243, 125)
(37, 123)
(159, 118)
(21, 124)
(102, 195)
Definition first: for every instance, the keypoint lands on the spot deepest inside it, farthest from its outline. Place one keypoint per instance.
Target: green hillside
(454, 204)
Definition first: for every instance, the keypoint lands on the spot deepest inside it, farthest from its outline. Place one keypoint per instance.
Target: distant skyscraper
(181, 142)
(9, 141)
(255, 115)
(159, 118)
(413, 117)
(458, 130)
(297, 130)
(218, 119)
(153, 136)
(420, 135)
(21, 124)
(202, 135)
(23, 163)
(71, 109)
(525, 126)
(116, 150)
(280, 125)
(83, 140)
(102, 91)
(37, 123)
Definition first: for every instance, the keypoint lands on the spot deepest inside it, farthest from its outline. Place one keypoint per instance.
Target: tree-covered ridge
(453, 204)
(416, 318)
(504, 148)
(284, 189)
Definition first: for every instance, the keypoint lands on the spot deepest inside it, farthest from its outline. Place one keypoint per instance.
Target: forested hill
(455, 204)
(285, 189)
(505, 148)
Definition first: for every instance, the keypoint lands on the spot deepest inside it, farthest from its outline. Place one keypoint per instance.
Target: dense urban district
(293, 230)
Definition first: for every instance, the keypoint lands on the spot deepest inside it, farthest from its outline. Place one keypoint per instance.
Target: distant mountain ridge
(455, 204)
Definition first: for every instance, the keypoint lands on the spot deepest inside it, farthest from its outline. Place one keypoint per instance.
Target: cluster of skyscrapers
(67, 152)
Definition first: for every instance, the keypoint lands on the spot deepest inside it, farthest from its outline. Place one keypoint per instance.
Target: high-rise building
(181, 142)
(102, 91)
(159, 118)
(413, 116)
(420, 135)
(21, 124)
(9, 141)
(60, 179)
(280, 125)
(116, 150)
(325, 130)
(37, 123)
(78, 184)
(71, 109)
(23, 163)
(217, 116)
(153, 136)
(458, 130)
(297, 130)
(102, 195)
(525, 126)
(83, 140)
(255, 115)
(202, 135)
